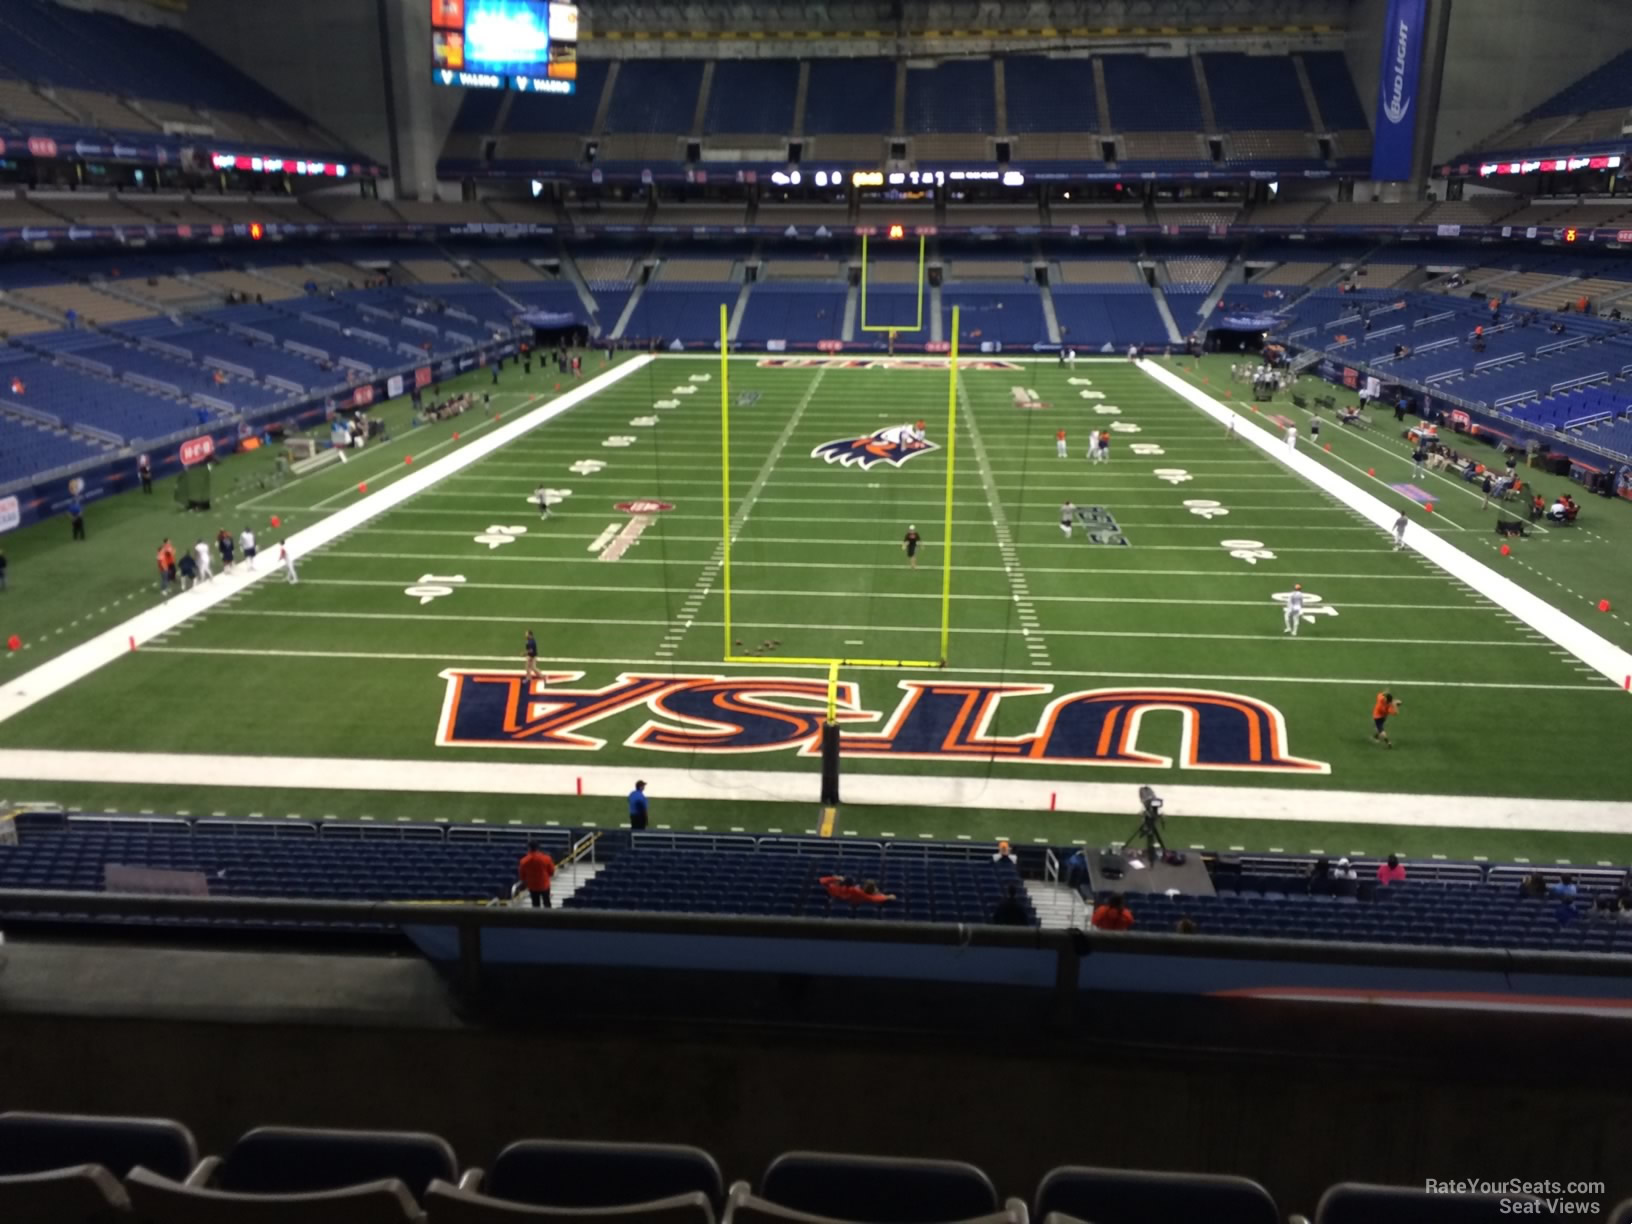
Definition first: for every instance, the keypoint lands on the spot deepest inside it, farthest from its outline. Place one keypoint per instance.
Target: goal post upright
(725, 474)
(951, 460)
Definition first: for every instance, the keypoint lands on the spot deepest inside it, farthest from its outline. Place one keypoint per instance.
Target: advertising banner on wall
(1392, 150)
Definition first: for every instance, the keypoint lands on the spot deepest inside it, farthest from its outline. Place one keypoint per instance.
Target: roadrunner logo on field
(893, 444)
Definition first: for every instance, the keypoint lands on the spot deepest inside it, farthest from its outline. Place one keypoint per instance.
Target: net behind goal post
(833, 664)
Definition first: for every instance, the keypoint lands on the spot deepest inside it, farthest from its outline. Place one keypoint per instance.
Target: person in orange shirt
(1059, 444)
(842, 888)
(1384, 706)
(167, 566)
(1113, 915)
(536, 870)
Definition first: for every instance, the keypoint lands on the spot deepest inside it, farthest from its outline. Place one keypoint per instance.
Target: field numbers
(1125, 427)
(1080, 382)
(1107, 410)
(1250, 551)
(684, 389)
(552, 497)
(666, 403)
(1173, 476)
(1092, 395)
(642, 422)
(619, 440)
(434, 586)
(701, 377)
(1205, 509)
(587, 467)
(1146, 448)
(497, 536)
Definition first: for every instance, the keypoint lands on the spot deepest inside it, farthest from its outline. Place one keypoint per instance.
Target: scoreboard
(530, 46)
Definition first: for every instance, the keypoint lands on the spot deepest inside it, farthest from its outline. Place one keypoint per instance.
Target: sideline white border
(73, 665)
(528, 781)
(1603, 656)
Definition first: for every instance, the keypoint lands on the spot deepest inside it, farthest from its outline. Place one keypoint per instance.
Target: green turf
(349, 664)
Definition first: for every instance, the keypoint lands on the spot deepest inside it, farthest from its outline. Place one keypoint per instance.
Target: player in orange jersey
(1059, 444)
(1385, 706)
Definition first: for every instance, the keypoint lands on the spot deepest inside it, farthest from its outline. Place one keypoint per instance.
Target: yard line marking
(1256, 576)
(708, 665)
(1002, 545)
(1268, 635)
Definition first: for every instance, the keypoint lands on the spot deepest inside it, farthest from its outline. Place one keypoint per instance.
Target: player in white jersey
(1068, 516)
(1399, 532)
(246, 541)
(1294, 609)
(1292, 437)
(201, 551)
(288, 562)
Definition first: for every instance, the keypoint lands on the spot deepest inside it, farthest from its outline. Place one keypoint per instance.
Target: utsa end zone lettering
(934, 721)
(882, 363)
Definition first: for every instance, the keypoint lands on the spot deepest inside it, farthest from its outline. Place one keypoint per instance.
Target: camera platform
(1189, 877)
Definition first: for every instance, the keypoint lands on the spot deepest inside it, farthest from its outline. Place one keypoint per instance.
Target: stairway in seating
(571, 878)
(1058, 907)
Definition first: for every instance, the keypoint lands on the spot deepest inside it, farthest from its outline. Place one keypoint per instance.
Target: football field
(1146, 645)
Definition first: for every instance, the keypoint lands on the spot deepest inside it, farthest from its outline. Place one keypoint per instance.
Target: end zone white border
(1596, 652)
(72, 665)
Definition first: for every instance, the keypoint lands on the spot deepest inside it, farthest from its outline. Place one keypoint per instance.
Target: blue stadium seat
(1116, 1196)
(558, 1173)
(878, 1189)
(300, 1160)
(37, 1142)
(1355, 1203)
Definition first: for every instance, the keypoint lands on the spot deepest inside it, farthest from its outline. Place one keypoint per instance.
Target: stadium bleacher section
(752, 97)
(1151, 94)
(103, 350)
(1583, 117)
(112, 1168)
(1570, 373)
(1281, 896)
(948, 108)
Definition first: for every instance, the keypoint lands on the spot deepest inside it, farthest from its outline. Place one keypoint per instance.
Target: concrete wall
(321, 56)
(325, 57)
(1502, 59)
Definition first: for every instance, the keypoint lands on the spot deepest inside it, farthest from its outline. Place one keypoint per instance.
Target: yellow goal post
(831, 663)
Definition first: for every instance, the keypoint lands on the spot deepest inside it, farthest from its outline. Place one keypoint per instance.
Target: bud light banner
(1391, 151)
